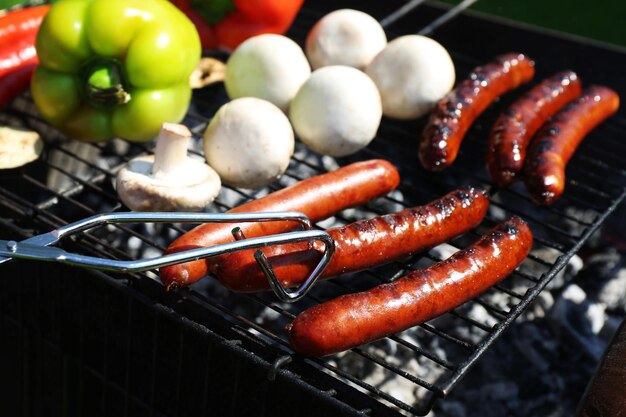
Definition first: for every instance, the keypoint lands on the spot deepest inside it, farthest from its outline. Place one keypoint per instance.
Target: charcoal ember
(604, 277)
(396, 385)
(458, 328)
(392, 204)
(533, 346)
(268, 316)
(540, 307)
(396, 355)
(480, 314)
(576, 223)
(497, 398)
(550, 255)
(613, 229)
(611, 325)
(443, 251)
(549, 405)
(450, 408)
(579, 320)
(527, 372)
(359, 366)
(497, 213)
(501, 300)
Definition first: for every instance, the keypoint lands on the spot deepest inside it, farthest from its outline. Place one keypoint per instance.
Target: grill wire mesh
(75, 180)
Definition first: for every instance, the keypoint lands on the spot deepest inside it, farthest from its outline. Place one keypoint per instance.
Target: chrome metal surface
(37, 248)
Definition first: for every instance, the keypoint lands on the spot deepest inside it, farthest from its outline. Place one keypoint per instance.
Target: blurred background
(602, 20)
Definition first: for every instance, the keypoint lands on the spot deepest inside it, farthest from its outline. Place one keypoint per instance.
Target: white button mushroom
(345, 37)
(270, 67)
(249, 142)
(412, 74)
(337, 111)
(169, 180)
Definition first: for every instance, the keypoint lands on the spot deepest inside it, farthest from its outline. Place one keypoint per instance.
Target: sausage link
(317, 197)
(354, 319)
(549, 152)
(363, 244)
(513, 129)
(455, 113)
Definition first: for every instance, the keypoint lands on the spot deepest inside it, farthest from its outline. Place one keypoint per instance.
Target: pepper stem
(213, 11)
(104, 84)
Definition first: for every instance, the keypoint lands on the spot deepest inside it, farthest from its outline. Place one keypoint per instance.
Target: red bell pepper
(18, 56)
(227, 23)
(14, 82)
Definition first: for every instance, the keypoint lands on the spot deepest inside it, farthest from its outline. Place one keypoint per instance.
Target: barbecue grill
(79, 342)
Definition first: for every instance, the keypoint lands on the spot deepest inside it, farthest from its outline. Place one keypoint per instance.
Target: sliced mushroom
(169, 180)
(208, 71)
(18, 147)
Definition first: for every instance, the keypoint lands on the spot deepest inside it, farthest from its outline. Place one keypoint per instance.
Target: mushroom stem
(171, 150)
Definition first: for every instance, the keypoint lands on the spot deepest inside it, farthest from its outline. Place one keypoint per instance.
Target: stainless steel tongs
(38, 247)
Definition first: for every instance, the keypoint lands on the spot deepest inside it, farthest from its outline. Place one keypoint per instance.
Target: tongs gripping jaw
(36, 247)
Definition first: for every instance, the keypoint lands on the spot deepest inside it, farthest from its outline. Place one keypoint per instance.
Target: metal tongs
(38, 247)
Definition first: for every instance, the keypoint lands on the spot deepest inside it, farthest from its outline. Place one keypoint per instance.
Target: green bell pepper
(114, 68)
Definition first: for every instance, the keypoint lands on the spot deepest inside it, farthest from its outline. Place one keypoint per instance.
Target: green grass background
(603, 20)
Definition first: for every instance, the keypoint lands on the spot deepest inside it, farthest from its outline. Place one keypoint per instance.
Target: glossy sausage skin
(549, 152)
(455, 113)
(363, 244)
(317, 197)
(513, 129)
(354, 319)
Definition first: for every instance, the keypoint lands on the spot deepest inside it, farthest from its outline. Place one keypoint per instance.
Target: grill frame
(187, 308)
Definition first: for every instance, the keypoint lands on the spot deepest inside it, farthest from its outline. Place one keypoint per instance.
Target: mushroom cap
(412, 73)
(345, 37)
(192, 188)
(249, 142)
(270, 67)
(337, 111)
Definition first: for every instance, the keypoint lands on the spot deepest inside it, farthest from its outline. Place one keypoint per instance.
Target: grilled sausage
(455, 113)
(317, 197)
(355, 319)
(513, 129)
(363, 244)
(549, 152)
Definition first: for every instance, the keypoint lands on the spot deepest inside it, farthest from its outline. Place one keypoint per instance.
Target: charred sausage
(317, 197)
(513, 129)
(549, 152)
(455, 113)
(354, 319)
(363, 244)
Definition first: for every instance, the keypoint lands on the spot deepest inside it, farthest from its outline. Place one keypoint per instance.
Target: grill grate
(74, 180)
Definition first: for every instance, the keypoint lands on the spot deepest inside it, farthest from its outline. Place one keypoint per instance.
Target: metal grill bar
(393, 141)
(449, 15)
(551, 209)
(512, 293)
(401, 12)
(450, 338)
(445, 363)
(492, 309)
(558, 265)
(318, 362)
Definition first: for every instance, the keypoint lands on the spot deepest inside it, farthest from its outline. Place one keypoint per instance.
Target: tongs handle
(35, 247)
